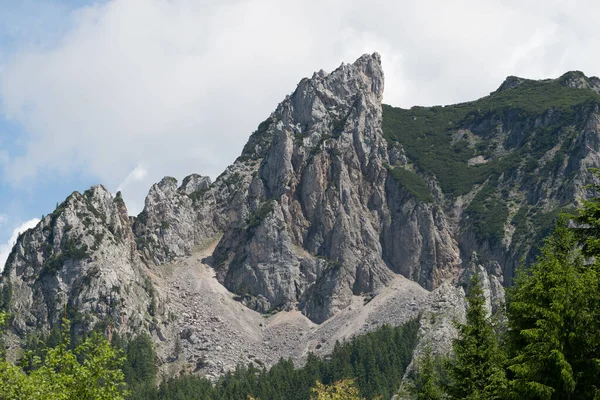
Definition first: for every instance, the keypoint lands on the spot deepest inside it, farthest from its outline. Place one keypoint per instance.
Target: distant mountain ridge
(332, 198)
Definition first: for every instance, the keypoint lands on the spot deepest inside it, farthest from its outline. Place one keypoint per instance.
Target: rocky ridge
(81, 261)
(308, 213)
(341, 214)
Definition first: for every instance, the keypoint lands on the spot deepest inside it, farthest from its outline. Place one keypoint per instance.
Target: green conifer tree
(427, 384)
(476, 369)
(553, 323)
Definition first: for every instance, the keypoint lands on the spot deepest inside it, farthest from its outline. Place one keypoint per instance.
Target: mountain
(341, 214)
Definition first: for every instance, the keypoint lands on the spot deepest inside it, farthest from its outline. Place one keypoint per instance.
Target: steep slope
(334, 202)
(506, 164)
(309, 209)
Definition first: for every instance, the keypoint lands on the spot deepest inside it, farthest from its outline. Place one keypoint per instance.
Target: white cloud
(134, 182)
(137, 174)
(3, 219)
(6, 248)
(178, 86)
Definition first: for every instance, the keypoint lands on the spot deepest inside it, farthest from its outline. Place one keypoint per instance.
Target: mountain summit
(340, 214)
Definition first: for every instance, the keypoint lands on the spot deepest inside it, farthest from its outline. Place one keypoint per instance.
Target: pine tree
(553, 323)
(588, 218)
(476, 369)
(140, 365)
(426, 384)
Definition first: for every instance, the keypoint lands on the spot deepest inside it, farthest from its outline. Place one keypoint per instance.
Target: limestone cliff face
(80, 260)
(315, 226)
(332, 196)
(313, 202)
(309, 212)
(173, 219)
(418, 239)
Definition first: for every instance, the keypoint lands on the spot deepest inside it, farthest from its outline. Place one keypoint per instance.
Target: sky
(124, 92)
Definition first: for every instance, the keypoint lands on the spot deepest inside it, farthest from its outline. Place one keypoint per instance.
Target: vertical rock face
(417, 238)
(174, 219)
(309, 213)
(320, 206)
(316, 226)
(313, 224)
(80, 260)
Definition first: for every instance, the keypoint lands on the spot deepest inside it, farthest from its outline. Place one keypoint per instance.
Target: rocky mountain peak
(333, 197)
(325, 99)
(578, 80)
(571, 79)
(510, 82)
(77, 258)
(336, 92)
(193, 183)
(309, 214)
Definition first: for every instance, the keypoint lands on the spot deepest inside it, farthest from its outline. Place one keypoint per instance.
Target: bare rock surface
(321, 230)
(82, 260)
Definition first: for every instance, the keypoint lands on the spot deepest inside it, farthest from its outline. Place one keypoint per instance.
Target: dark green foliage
(588, 217)
(258, 143)
(87, 195)
(330, 264)
(89, 370)
(3, 318)
(233, 179)
(426, 133)
(149, 287)
(5, 294)
(258, 216)
(487, 214)
(512, 130)
(429, 378)
(98, 237)
(186, 387)
(554, 323)
(198, 195)
(36, 345)
(413, 183)
(532, 225)
(59, 210)
(338, 124)
(140, 367)
(71, 251)
(476, 368)
(376, 360)
(545, 223)
(535, 97)
(519, 221)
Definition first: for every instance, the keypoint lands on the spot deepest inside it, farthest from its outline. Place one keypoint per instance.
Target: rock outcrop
(81, 261)
(310, 214)
(332, 198)
(174, 219)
